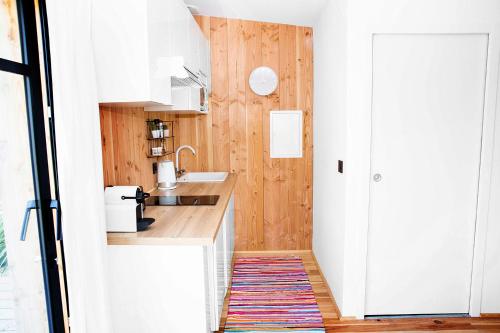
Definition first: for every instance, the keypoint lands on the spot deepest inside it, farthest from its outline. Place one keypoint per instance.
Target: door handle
(377, 177)
(32, 204)
(54, 204)
(29, 206)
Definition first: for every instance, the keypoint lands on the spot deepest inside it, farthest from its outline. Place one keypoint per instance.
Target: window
(31, 249)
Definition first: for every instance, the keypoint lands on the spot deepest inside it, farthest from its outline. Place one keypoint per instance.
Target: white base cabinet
(171, 288)
(216, 270)
(229, 240)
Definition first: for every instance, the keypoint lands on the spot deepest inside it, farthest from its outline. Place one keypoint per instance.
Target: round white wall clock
(263, 81)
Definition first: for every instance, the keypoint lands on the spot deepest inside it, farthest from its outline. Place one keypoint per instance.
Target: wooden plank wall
(273, 197)
(125, 148)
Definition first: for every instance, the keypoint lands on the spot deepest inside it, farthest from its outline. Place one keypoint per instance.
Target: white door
(427, 111)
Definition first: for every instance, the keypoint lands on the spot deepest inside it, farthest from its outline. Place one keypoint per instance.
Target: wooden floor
(333, 323)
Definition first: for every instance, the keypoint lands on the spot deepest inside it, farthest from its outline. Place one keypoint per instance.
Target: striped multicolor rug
(272, 294)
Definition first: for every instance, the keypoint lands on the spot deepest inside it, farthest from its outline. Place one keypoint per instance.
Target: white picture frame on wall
(285, 134)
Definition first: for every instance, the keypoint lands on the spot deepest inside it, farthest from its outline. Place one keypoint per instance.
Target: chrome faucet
(180, 172)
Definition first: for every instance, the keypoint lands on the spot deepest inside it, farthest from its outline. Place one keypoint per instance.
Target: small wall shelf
(160, 138)
(164, 138)
(163, 154)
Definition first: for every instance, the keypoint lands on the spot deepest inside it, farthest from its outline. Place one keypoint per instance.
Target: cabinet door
(180, 26)
(219, 277)
(193, 58)
(229, 239)
(203, 46)
(123, 78)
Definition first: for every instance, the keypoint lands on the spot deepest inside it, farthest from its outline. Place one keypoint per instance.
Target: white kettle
(166, 175)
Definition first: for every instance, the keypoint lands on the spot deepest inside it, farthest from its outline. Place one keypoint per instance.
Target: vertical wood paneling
(188, 126)
(272, 227)
(273, 197)
(299, 190)
(125, 148)
(287, 167)
(254, 217)
(307, 98)
(107, 146)
(237, 125)
(219, 107)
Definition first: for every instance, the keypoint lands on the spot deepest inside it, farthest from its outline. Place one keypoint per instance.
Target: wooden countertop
(182, 225)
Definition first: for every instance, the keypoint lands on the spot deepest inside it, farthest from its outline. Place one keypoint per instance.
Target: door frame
(485, 173)
(372, 19)
(483, 188)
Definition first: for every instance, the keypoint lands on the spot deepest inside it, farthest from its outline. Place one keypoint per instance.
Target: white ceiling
(297, 12)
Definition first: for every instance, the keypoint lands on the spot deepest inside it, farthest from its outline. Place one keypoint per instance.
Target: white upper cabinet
(194, 35)
(140, 45)
(204, 56)
(179, 22)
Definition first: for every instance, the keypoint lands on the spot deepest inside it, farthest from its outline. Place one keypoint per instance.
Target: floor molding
(490, 315)
(272, 253)
(330, 293)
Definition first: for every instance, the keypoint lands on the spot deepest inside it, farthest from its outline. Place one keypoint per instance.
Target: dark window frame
(31, 71)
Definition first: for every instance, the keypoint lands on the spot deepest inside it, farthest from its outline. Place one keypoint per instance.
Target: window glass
(10, 47)
(22, 294)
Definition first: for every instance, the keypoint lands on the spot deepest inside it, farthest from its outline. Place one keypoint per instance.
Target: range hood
(181, 76)
(189, 89)
(191, 80)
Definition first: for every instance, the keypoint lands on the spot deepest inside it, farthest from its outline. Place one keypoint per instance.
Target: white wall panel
(329, 143)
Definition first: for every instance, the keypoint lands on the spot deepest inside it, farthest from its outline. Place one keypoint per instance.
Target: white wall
(295, 12)
(329, 143)
(364, 18)
(491, 282)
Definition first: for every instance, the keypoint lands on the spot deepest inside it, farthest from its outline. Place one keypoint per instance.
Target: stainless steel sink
(202, 177)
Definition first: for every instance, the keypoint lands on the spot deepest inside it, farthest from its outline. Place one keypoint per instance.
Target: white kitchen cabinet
(158, 288)
(222, 254)
(229, 239)
(179, 31)
(171, 288)
(205, 70)
(217, 280)
(194, 37)
(138, 48)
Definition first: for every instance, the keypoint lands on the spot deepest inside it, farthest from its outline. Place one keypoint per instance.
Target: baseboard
(490, 315)
(272, 252)
(328, 289)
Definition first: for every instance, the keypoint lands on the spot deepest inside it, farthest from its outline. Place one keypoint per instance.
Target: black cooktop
(182, 200)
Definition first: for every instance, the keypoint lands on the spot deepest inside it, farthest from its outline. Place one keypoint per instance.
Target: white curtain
(80, 163)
